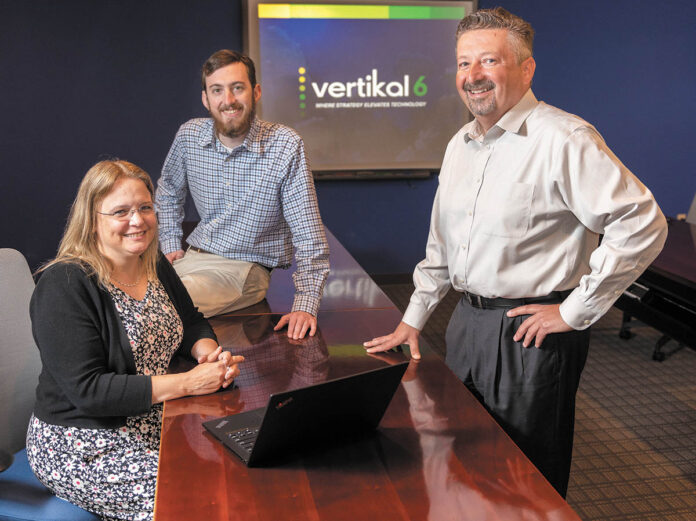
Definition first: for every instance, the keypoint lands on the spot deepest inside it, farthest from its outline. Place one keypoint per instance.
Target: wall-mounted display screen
(368, 85)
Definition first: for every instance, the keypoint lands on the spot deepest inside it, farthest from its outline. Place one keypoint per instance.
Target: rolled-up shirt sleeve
(301, 212)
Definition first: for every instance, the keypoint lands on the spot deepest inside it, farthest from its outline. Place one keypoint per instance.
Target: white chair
(22, 496)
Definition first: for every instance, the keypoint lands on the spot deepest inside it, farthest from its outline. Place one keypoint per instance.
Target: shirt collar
(251, 141)
(207, 137)
(511, 121)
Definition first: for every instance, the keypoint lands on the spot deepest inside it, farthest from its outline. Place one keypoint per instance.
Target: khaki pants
(218, 285)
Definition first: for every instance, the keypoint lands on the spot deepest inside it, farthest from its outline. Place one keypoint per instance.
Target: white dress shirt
(519, 211)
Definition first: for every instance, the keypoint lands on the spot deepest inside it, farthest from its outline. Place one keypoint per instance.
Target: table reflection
(457, 488)
(273, 362)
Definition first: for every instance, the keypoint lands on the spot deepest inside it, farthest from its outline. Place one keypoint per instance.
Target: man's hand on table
(298, 322)
(403, 334)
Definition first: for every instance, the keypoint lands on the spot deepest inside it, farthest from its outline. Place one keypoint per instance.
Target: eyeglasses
(144, 210)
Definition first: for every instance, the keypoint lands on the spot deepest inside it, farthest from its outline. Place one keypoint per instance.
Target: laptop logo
(283, 403)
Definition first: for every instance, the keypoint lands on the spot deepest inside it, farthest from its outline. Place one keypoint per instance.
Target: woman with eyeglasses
(108, 314)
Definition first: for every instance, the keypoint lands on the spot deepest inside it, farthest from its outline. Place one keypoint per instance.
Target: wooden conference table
(436, 455)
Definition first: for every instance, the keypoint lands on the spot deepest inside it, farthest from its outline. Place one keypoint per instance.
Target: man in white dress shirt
(525, 192)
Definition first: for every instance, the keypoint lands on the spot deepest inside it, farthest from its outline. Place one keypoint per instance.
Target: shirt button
(587, 322)
(469, 214)
(478, 180)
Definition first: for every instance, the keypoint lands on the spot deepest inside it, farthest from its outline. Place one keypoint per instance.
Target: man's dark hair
(520, 31)
(225, 57)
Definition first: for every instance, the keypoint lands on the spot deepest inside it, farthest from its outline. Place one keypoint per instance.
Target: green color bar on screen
(415, 12)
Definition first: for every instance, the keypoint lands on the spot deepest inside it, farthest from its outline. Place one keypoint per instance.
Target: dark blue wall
(83, 80)
(626, 66)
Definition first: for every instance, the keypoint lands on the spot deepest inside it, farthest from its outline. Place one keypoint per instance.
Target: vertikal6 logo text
(371, 87)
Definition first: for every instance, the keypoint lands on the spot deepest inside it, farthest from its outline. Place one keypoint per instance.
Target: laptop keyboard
(244, 438)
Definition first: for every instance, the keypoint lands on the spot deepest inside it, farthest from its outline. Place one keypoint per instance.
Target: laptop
(347, 407)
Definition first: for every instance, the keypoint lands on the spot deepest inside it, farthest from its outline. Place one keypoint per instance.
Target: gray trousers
(530, 392)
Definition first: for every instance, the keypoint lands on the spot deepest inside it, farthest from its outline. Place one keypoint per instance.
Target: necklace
(124, 284)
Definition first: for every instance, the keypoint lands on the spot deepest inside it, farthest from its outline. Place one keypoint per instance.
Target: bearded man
(254, 193)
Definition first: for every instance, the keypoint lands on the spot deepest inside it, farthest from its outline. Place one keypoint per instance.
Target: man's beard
(235, 129)
(481, 107)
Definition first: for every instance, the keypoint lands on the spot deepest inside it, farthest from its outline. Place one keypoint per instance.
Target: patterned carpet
(635, 435)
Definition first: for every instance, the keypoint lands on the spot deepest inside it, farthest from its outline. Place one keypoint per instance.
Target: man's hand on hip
(175, 255)
(403, 334)
(544, 319)
(298, 323)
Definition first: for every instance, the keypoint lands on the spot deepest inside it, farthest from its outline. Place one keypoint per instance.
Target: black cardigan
(88, 378)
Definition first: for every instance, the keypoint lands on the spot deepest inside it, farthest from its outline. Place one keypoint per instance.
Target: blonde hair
(79, 242)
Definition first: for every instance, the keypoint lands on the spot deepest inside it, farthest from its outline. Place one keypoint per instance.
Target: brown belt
(201, 250)
(555, 297)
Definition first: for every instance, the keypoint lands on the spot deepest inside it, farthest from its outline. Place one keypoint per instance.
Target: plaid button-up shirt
(255, 202)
